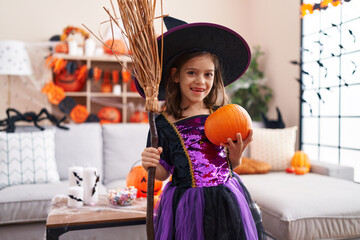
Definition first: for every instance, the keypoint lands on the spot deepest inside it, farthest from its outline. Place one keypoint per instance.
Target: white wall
(275, 25)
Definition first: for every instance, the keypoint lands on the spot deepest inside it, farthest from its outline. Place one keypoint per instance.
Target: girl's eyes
(209, 74)
(193, 73)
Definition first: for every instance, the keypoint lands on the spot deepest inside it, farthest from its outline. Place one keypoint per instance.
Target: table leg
(55, 233)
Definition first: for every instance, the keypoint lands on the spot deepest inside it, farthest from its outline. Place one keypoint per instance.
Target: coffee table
(62, 219)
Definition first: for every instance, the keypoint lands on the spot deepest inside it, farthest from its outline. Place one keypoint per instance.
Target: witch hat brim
(231, 49)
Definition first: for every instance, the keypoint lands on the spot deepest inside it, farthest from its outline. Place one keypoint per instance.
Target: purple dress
(205, 199)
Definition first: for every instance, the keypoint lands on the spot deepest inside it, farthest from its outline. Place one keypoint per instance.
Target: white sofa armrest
(333, 170)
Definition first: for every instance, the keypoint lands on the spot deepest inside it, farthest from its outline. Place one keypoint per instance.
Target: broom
(137, 17)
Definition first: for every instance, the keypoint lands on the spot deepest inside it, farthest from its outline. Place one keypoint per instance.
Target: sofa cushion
(30, 202)
(310, 206)
(274, 146)
(27, 157)
(123, 145)
(80, 146)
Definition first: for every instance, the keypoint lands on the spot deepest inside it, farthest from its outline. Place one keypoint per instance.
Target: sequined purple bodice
(209, 162)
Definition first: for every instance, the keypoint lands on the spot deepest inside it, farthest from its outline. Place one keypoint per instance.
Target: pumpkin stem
(151, 181)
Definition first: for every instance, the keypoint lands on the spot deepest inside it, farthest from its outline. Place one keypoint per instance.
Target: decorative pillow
(27, 157)
(274, 146)
(251, 166)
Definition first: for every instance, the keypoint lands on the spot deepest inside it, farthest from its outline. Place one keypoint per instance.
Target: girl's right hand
(150, 157)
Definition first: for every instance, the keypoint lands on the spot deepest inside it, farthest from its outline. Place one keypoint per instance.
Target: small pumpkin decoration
(118, 46)
(109, 115)
(79, 114)
(139, 117)
(62, 48)
(225, 122)
(300, 163)
(138, 178)
(56, 94)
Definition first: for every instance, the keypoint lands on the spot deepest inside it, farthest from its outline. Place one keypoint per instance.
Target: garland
(307, 8)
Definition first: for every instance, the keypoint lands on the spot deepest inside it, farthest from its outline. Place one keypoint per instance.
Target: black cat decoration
(279, 123)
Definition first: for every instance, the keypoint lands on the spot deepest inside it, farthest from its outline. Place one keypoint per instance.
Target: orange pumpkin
(139, 117)
(109, 115)
(79, 114)
(118, 46)
(300, 159)
(70, 82)
(138, 178)
(225, 122)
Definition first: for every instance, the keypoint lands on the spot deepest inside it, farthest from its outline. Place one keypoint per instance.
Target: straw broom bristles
(137, 17)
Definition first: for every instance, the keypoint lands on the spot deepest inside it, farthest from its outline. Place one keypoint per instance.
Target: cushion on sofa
(298, 207)
(123, 145)
(274, 146)
(30, 202)
(80, 146)
(27, 157)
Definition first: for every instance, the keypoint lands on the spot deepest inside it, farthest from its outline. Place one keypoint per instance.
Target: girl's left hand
(236, 148)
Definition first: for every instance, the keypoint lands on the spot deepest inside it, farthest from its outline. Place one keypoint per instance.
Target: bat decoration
(294, 62)
(355, 67)
(75, 198)
(78, 179)
(345, 83)
(310, 108)
(322, 66)
(352, 34)
(306, 73)
(96, 181)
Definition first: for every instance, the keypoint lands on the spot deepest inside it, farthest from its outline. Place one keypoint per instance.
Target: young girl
(205, 199)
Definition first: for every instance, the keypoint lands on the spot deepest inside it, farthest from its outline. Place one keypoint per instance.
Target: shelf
(102, 58)
(91, 96)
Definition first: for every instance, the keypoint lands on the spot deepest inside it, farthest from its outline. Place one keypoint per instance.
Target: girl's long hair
(217, 96)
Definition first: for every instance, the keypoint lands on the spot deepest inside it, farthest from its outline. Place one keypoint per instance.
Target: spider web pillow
(274, 146)
(27, 157)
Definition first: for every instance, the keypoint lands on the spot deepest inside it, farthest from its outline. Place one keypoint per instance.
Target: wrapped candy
(122, 196)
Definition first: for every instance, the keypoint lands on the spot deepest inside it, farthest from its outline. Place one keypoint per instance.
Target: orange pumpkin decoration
(225, 122)
(61, 48)
(300, 159)
(56, 95)
(138, 178)
(139, 117)
(109, 115)
(118, 46)
(70, 82)
(79, 114)
(300, 163)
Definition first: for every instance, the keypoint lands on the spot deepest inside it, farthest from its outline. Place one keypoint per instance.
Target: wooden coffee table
(62, 219)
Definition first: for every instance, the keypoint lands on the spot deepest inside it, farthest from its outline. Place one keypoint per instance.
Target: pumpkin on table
(138, 178)
(226, 122)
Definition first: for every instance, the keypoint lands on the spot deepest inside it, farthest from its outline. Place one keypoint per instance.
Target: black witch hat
(181, 37)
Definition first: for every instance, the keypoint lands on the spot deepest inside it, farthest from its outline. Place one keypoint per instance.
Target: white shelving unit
(87, 95)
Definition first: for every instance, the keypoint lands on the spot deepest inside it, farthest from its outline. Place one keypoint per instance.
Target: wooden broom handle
(151, 182)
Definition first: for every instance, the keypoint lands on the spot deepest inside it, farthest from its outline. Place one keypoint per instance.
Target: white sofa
(317, 205)
(111, 148)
